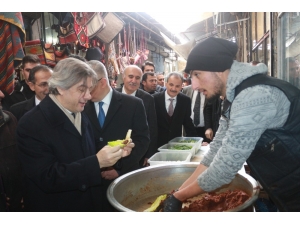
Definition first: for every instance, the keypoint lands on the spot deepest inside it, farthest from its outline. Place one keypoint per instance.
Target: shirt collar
(168, 96)
(124, 92)
(107, 98)
(37, 101)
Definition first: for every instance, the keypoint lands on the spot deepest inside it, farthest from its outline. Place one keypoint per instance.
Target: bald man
(132, 76)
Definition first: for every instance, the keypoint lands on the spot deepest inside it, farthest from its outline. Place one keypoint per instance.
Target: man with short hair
(260, 125)
(149, 67)
(38, 82)
(173, 111)
(132, 75)
(22, 90)
(112, 114)
(161, 80)
(61, 164)
(149, 83)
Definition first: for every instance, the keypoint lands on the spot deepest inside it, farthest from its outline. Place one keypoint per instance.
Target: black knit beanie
(93, 53)
(212, 54)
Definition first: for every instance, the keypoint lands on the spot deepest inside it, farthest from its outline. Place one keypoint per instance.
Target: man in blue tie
(112, 114)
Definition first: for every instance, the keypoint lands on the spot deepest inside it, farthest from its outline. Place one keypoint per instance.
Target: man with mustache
(132, 77)
(260, 125)
(173, 110)
(38, 82)
(56, 143)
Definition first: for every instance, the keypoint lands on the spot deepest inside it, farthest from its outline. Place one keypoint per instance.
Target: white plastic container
(170, 148)
(169, 158)
(186, 140)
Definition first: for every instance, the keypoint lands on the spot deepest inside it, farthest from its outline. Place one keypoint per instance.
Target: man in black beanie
(260, 125)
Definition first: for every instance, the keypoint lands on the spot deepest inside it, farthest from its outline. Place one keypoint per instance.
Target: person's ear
(60, 91)
(31, 86)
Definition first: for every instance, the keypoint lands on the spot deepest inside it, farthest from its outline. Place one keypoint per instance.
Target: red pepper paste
(217, 202)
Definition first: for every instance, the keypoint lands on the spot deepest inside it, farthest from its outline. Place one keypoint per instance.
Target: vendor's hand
(128, 148)
(109, 174)
(108, 156)
(209, 134)
(172, 204)
(204, 144)
(146, 162)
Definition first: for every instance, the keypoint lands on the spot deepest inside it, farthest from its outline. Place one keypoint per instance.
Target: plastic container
(185, 140)
(169, 158)
(170, 148)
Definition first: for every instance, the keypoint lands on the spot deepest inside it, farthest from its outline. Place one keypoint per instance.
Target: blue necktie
(101, 115)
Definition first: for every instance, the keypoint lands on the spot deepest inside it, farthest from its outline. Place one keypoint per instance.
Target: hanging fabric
(80, 20)
(112, 65)
(12, 40)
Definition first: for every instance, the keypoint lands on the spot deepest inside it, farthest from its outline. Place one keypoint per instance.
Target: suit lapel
(115, 104)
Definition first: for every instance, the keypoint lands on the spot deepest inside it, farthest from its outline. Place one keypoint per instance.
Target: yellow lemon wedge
(156, 203)
(121, 143)
(116, 143)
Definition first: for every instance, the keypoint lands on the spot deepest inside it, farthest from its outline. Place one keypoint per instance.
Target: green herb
(187, 141)
(181, 147)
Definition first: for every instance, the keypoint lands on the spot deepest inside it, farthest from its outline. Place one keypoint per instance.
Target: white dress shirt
(106, 100)
(124, 92)
(167, 101)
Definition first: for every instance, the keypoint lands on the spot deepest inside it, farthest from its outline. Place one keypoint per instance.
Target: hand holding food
(108, 156)
(121, 143)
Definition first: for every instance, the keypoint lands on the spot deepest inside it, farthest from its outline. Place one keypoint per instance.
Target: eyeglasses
(42, 85)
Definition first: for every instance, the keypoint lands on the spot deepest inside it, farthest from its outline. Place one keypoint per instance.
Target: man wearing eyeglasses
(38, 82)
(112, 114)
(22, 90)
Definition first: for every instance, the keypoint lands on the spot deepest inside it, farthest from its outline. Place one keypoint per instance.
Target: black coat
(171, 127)
(62, 172)
(149, 105)
(124, 112)
(21, 93)
(10, 166)
(20, 108)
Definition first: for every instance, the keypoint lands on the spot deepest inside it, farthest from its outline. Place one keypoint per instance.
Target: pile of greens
(180, 147)
(187, 141)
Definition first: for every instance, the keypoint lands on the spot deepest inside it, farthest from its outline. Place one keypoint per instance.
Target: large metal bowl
(136, 190)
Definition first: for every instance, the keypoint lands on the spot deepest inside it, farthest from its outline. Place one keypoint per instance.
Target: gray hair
(99, 68)
(69, 72)
(175, 74)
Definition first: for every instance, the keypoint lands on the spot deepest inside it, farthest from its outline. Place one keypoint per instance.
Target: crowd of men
(61, 119)
(56, 125)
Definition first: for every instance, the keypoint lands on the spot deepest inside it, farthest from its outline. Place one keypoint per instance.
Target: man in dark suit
(173, 111)
(38, 82)
(22, 91)
(204, 124)
(57, 149)
(121, 112)
(132, 77)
